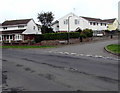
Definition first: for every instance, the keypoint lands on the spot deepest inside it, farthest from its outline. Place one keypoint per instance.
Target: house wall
(32, 28)
(83, 24)
(113, 26)
(11, 36)
(55, 27)
(98, 27)
(15, 27)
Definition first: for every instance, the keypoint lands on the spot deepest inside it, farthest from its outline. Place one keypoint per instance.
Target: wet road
(27, 70)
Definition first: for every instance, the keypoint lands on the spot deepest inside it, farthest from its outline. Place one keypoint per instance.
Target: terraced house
(18, 30)
(74, 22)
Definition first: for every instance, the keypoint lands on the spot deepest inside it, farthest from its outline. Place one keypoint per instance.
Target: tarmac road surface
(28, 70)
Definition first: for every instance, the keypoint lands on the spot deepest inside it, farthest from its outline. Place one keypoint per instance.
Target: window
(94, 23)
(66, 21)
(57, 26)
(97, 23)
(0, 37)
(76, 21)
(18, 37)
(34, 27)
(4, 28)
(101, 24)
(105, 24)
(11, 37)
(90, 23)
(20, 26)
(7, 36)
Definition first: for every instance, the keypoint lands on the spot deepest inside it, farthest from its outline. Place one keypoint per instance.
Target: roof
(15, 22)
(12, 31)
(99, 20)
(110, 20)
(92, 19)
(55, 22)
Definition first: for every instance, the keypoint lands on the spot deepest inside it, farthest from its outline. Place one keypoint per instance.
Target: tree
(46, 19)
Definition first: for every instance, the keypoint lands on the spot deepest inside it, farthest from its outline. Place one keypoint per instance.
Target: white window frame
(65, 21)
(18, 37)
(77, 21)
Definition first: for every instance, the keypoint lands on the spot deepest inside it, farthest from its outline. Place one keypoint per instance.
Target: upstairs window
(76, 21)
(33, 27)
(94, 23)
(90, 23)
(4, 28)
(66, 21)
(20, 26)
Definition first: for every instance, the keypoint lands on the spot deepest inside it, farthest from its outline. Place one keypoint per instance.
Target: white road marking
(87, 55)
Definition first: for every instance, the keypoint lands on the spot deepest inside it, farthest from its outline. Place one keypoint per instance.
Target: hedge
(64, 35)
(39, 38)
(56, 36)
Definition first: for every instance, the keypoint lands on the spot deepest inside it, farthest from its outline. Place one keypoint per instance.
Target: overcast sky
(22, 9)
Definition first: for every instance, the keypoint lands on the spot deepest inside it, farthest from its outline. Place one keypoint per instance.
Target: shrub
(83, 35)
(74, 34)
(87, 32)
(60, 36)
(39, 38)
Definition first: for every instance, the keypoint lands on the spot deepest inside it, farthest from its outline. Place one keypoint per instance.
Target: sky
(24, 9)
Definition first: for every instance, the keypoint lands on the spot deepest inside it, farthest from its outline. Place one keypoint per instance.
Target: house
(18, 30)
(72, 22)
(112, 24)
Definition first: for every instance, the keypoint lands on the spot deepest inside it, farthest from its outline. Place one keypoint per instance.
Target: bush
(87, 32)
(39, 38)
(83, 35)
(61, 36)
(74, 34)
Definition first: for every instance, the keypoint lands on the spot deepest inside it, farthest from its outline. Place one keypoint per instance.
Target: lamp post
(68, 29)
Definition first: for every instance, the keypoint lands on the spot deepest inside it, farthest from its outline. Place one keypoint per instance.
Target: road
(90, 48)
(42, 70)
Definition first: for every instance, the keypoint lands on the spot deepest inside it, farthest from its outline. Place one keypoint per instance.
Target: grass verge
(114, 48)
(27, 46)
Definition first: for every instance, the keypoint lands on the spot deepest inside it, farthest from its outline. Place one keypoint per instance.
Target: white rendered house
(15, 30)
(73, 22)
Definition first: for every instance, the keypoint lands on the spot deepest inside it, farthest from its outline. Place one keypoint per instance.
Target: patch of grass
(115, 48)
(27, 46)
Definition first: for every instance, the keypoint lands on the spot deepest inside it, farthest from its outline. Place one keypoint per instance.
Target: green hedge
(39, 38)
(63, 36)
(56, 36)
